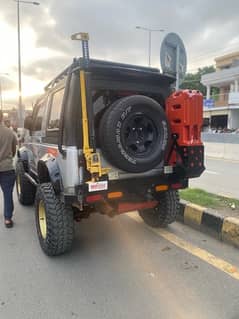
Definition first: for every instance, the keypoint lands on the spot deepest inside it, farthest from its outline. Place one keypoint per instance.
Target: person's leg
(7, 181)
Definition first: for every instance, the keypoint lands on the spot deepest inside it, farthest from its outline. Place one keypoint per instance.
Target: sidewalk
(220, 177)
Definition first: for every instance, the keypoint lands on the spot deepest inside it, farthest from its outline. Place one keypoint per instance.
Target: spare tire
(134, 133)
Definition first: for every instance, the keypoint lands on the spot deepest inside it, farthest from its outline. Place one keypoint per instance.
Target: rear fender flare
(48, 171)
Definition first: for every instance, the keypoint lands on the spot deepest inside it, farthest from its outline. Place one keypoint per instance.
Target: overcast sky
(209, 28)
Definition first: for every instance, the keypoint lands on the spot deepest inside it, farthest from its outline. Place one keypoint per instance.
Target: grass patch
(203, 198)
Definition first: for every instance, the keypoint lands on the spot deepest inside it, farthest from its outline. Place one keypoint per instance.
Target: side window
(55, 113)
(37, 120)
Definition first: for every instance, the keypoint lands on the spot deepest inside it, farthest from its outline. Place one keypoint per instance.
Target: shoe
(8, 223)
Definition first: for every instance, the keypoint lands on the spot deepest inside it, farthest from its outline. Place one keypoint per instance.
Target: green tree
(192, 80)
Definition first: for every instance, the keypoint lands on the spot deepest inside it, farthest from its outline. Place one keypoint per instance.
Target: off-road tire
(26, 191)
(59, 222)
(134, 133)
(165, 212)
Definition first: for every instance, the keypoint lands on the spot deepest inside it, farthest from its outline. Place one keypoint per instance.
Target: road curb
(210, 222)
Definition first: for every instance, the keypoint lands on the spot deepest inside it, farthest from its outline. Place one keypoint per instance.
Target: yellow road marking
(204, 255)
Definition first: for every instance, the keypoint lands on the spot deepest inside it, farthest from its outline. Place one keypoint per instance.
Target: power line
(189, 81)
(192, 71)
(209, 55)
(213, 53)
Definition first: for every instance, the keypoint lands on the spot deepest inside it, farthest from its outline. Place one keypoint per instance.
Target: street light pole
(20, 106)
(150, 39)
(1, 98)
(150, 33)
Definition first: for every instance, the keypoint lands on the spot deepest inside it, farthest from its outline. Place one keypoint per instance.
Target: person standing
(8, 144)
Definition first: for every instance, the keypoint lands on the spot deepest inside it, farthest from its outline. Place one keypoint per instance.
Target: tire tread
(60, 224)
(166, 211)
(28, 191)
(107, 137)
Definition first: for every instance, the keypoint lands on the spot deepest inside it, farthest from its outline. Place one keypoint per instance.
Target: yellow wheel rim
(18, 184)
(42, 219)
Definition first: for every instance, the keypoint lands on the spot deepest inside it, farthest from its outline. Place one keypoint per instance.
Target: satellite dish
(173, 57)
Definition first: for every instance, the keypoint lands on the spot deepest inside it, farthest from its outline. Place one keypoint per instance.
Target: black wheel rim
(139, 135)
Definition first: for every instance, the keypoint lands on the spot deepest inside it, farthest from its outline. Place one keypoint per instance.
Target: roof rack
(59, 77)
(93, 65)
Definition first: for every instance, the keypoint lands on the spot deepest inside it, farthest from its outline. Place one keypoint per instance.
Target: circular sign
(173, 56)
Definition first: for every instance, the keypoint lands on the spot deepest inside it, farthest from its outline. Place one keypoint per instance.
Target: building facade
(224, 108)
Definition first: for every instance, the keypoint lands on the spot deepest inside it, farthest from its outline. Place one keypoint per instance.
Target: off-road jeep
(110, 138)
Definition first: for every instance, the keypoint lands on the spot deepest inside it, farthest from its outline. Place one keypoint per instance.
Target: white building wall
(233, 119)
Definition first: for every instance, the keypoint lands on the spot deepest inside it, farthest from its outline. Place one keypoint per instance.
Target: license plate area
(97, 186)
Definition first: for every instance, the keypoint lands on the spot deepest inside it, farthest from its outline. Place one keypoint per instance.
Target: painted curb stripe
(212, 224)
(193, 215)
(223, 228)
(230, 231)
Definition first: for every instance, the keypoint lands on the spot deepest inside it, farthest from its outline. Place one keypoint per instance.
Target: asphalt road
(220, 177)
(118, 268)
